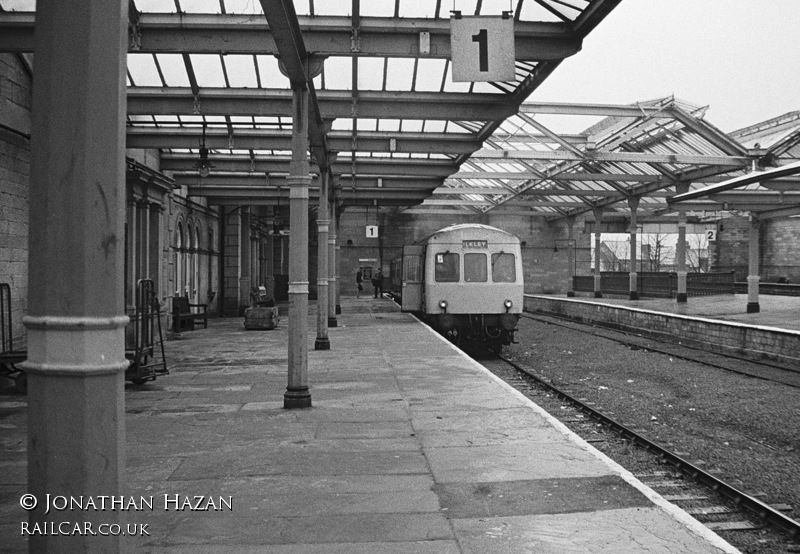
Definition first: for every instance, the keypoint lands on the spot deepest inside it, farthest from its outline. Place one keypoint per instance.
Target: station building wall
(15, 105)
(545, 249)
(778, 249)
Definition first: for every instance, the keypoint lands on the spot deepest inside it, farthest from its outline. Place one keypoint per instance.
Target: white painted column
(753, 278)
(323, 290)
(297, 393)
(333, 284)
(680, 253)
(76, 322)
(598, 217)
(633, 289)
(571, 256)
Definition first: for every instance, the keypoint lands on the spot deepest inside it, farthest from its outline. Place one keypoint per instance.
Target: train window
(475, 268)
(503, 268)
(446, 268)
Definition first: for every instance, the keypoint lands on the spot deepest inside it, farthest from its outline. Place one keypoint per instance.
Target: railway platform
(718, 324)
(410, 447)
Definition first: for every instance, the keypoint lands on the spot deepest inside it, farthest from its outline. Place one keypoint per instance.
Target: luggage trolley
(9, 358)
(140, 341)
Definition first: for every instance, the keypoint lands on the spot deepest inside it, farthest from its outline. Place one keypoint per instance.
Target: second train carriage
(466, 281)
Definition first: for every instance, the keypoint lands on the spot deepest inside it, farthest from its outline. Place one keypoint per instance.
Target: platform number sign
(711, 235)
(482, 48)
(372, 231)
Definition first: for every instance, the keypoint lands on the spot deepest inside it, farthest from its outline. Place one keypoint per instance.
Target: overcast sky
(740, 57)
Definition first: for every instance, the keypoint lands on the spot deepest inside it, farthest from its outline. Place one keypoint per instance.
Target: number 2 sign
(482, 48)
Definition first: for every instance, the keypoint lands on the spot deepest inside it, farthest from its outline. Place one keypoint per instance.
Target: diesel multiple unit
(465, 281)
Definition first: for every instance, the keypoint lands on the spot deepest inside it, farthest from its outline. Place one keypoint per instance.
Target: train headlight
(443, 305)
(508, 303)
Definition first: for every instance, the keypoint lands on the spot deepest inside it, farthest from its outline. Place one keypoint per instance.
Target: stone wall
(15, 90)
(760, 343)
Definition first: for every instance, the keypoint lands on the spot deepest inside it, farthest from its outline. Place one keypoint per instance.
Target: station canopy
(386, 118)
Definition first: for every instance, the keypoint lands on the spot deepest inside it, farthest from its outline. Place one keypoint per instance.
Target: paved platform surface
(410, 447)
(782, 312)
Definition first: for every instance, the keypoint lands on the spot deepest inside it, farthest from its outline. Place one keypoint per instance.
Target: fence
(657, 284)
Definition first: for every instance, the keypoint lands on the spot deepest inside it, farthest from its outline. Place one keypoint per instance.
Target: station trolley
(144, 341)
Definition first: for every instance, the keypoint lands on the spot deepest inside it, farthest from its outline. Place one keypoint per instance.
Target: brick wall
(15, 88)
(717, 336)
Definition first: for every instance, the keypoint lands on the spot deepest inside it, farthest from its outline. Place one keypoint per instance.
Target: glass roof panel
(243, 7)
(208, 70)
(418, 8)
(200, 6)
(329, 7)
(270, 74)
(466, 7)
(157, 6)
(142, 68)
(389, 125)
(376, 9)
(412, 125)
(338, 73)
(398, 73)
(495, 7)
(173, 69)
(370, 73)
(429, 75)
(241, 71)
(364, 124)
(18, 5)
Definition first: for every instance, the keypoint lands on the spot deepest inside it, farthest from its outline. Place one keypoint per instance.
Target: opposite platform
(409, 447)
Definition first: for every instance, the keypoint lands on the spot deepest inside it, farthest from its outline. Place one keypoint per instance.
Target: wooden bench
(183, 318)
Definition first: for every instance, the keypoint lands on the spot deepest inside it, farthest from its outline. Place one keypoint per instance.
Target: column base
(753, 307)
(332, 322)
(598, 294)
(322, 344)
(681, 298)
(296, 398)
(570, 294)
(633, 295)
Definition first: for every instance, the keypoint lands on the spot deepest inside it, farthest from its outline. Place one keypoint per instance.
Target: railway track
(716, 503)
(768, 371)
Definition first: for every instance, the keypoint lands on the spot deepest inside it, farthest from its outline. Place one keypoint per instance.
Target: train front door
(412, 278)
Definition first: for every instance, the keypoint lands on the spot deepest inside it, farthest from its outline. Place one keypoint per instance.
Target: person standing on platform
(359, 280)
(377, 282)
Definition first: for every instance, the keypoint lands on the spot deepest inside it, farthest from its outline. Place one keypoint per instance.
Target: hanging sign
(482, 48)
(372, 231)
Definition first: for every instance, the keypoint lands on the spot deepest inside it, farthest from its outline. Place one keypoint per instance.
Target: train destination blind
(474, 244)
(482, 48)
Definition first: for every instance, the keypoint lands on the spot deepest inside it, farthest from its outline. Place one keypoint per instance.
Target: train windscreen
(504, 269)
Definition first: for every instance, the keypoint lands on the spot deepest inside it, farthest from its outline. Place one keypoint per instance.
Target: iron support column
(598, 216)
(323, 290)
(332, 273)
(245, 268)
(571, 256)
(269, 266)
(297, 393)
(680, 252)
(76, 318)
(753, 266)
(633, 294)
(335, 220)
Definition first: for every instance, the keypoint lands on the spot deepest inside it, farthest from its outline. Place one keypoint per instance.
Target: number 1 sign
(482, 48)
